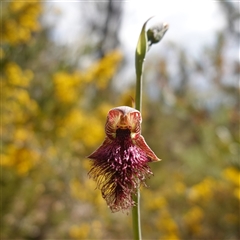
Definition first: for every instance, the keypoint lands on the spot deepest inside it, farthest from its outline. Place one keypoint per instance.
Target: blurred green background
(55, 99)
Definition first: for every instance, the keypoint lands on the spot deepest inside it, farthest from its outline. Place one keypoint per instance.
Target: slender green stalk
(136, 219)
(139, 59)
(138, 93)
(146, 39)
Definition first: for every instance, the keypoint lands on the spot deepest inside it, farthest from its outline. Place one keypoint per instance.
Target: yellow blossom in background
(72, 121)
(16, 98)
(22, 159)
(107, 68)
(203, 190)
(156, 202)
(79, 190)
(79, 231)
(92, 132)
(193, 219)
(97, 228)
(180, 187)
(75, 186)
(21, 135)
(232, 175)
(86, 164)
(21, 21)
(16, 76)
(67, 86)
(103, 109)
(237, 193)
(102, 71)
(169, 236)
(51, 152)
(92, 230)
(166, 225)
(70, 87)
(18, 106)
(81, 127)
(159, 202)
(16, 6)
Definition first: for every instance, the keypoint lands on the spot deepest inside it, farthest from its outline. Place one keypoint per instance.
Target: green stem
(138, 94)
(136, 219)
(153, 35)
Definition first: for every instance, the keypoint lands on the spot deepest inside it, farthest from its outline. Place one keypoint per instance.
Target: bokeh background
(60, 77)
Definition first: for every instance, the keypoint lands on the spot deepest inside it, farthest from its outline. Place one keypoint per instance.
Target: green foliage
(53, 116)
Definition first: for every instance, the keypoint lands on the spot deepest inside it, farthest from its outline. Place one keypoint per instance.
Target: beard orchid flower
(120, 164)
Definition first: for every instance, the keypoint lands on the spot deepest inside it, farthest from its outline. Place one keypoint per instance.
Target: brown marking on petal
(124, 118)
(140, 142)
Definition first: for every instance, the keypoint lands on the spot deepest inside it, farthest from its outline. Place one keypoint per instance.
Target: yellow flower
(16, 76)
(21, 135)
(102, 71)
(156, 203)
(75, 186)
(232, 175)
(237, 193)
(167, 225)
(193, 219)
(84, 128)
(169, 236)
(67, 86)
(17, 6)
(202, 190)
(21, 20)
(79, 231)
(21, 159)
(180, 188)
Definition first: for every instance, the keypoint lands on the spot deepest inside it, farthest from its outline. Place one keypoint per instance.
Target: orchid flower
(120, 164)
